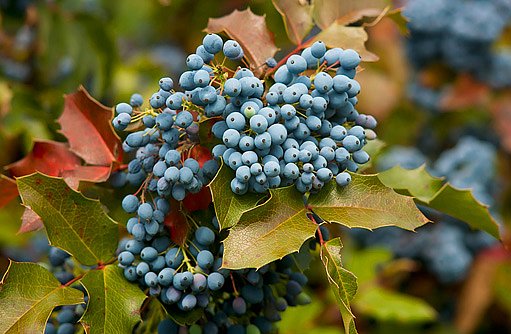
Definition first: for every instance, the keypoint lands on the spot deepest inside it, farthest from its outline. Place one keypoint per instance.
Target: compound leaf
(28, 294)
(77, 224)
(114, 303)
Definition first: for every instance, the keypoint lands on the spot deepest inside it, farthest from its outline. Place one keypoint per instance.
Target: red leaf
(48, 157)
(8, 190)
(199, 201)
(55, 159)
(250, 31)
(94, 174)
(86, 123)
(200, 153)
(30, 221)
(177, 224)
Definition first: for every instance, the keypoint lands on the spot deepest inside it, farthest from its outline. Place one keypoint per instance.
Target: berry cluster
(303, 130)
(189, 277)
(447, 249)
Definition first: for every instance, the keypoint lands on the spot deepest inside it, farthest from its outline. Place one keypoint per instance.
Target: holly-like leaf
(55, 159)
(297, 16)
(340, 36)
(8, 190)
(229, 207)
(77, 224)
(269, 231)
(86, 123)
(343, 282)
(250, 31)
(48, 157)
(114, 303)
(385, 305)
(433, 192)
(326, 12)
(28, 294)
(366, 203)
(30, 221)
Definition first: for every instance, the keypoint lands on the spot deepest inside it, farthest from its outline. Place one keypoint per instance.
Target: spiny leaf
(366, 203)
(342, 281)
(28, 294)
(440, 196)
(250, 31)
(48, 157)
(340, 36)
(77, 224)
(114, 303)
(326, 12)
(55, 159)
(30, 221)
(297, 16)
(86, 123)
(386, 305)
(8, 190)
(229, 207)
(269, 231)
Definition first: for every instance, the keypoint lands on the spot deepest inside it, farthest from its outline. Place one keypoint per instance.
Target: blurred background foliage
(114, 48)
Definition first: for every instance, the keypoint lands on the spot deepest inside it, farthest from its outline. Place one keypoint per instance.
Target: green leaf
(229, 207)
(77, 224)
(28, 294)
(269, 231)
(114, 303)
(342, 282)
(366, 203)
(364, 263)
(386, 305)
(297, 16)
(433, 192)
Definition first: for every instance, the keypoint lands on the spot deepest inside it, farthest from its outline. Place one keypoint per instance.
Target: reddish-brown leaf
(199, 201)
(95, 174)
(326, 12)
(297, 16)
(55, 159)
(200, 153)
(501, 110)
(30, 221)
(177, 224)
(8, 190)
(465, 92)
(86, 123)
(250, 31)
(48, 157)
(340, 36)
